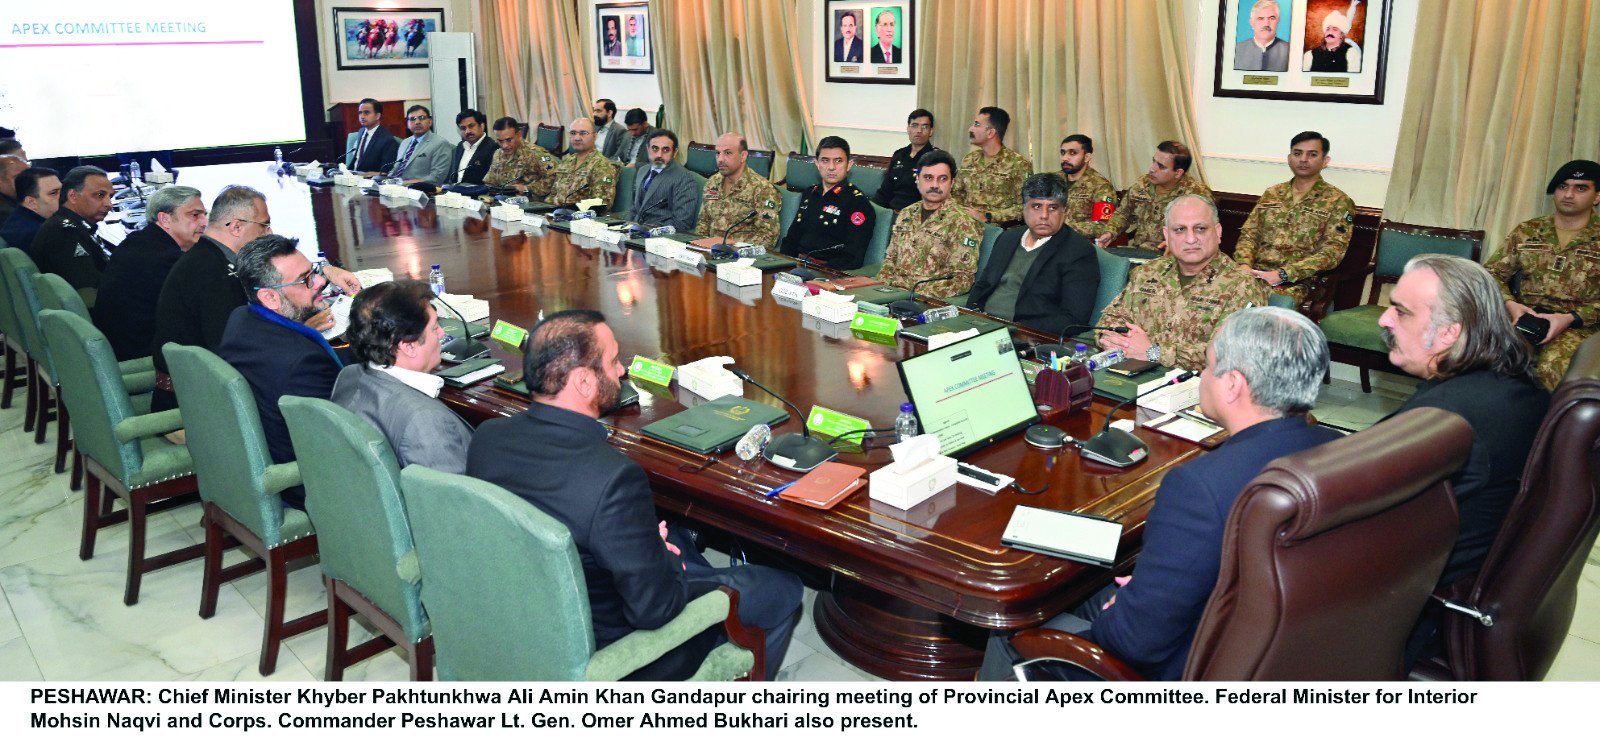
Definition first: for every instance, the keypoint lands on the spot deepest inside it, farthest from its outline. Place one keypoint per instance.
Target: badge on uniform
(969, 242)
(858, 218)
(770, 203)
(711, 193)
(830, 209)
(1102, 211)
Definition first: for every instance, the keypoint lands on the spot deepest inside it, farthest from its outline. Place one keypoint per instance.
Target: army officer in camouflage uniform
(1086, 187)
(583, 173)
(1145, 205)
(835, 215)
(518, 163)
(736, 192)
(935, 236)
(1173, 304)
(1298, 228)
(990, 186)
(1557, 261)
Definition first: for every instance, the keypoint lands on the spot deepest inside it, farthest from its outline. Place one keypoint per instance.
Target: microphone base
(1115, 448)
(463, 349)
(798, 452)
(1041, 352)
(803, 274)
(906, 309)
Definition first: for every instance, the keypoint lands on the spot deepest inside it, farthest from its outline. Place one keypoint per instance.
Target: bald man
(583, 173)
(735, 193)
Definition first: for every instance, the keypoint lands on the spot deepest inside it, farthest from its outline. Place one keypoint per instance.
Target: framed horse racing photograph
(622, 37)
(371, 39)
(1335, 51)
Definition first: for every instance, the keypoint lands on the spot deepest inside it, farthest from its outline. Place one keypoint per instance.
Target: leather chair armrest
(147, 426)
(1075, 650)
(642, 647)
(870, 271)
(279, 477)
(136, 365)
(139, 382)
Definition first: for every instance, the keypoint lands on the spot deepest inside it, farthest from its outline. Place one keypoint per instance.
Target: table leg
(896, 639)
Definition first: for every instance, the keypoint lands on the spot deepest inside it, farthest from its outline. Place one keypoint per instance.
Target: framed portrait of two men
(622, 37)
(870, 42)
(1334, 51)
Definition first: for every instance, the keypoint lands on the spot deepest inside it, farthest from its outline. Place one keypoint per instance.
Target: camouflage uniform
(1182, 319)
(1091, 188)
(531, 165)
(582, 177)
(947, 242)
(993, 184)
(1561, 279)
(725, 206)
(1144, 210)
(1302, 238)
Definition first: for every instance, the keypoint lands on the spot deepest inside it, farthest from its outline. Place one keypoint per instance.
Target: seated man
(1263, 371)
(899, 188)
(834, 212)
(1040, 275)
(370, 148)
(1090, 196)
(583, 173)
(395, 336)
(555, 456)
(1446, 324)
(67, 244)
(269, 344)
(935, 236)
(38, 197)
(519, 164)
(1172, 304)
(10, 167)
(1146, 201)
(1554, 261)
(126, 308)
(634, 151)
(425, 155)
(471, 156)
(991, 175)
(1299, 228)
(666, 193)
(737, 195)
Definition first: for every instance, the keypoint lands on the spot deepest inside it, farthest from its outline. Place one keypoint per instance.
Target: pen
(1191, 417)
(775, 490)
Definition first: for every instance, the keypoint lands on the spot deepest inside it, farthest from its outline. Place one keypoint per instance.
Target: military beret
(1576, 170)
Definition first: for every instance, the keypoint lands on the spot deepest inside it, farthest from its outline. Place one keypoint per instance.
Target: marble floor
(63, 619)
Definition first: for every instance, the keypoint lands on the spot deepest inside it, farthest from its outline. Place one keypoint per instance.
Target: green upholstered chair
(1113, 277)
(991, 232)
(760, 162)
(1275, 299)
(550, 137)
(878, 246)
(868, 178)
(1353, 335)
(124, 452)
(240, 485)
(353, 497)
(700, 183)
(700, 158)
(506, 593)
(626, 179)
(786, 214)
(16, 349)
(16, 271)
(801, 172)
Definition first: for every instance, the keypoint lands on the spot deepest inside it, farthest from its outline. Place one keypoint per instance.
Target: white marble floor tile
(9, 628)
(43, 517)
(1579, 659)
(312, 650)
(818, 667)
(16, 661)
(1586, 619)
(305, 593)
(243, 668)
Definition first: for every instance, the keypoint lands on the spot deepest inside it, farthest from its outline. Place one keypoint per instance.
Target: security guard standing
(833, 213)
(67, 245)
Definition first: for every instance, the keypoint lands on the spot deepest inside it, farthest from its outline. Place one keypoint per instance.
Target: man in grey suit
(666, 193)
(608, 132)
(634, 151)
(1264, 51)
(395, 333)
(424, 156)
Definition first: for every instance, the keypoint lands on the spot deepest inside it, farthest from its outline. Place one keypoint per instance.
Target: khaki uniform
(947, 242)
(531, 165)
(1144, 211)
(1556, 278)
(724, 205)
(993, 184)
(1182, 319)
(582, 177)
(1091, 188)
(1302, 238)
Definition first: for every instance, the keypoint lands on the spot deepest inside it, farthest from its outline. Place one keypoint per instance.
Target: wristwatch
(1153, 354)
(1283, 277)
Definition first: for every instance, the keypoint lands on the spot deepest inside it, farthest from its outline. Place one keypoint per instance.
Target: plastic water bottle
(1080, 354)
(1107, 358)
(134, 174)
(277, 156)
(322, 259)
(905, 423)
(436, 280)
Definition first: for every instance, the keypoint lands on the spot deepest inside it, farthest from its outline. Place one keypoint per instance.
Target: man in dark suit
(67, 244)
(1263, 372)
(885, 52)
(370, 149)
(1042, 274)
(10, 167)
(471, 157)
(556, 457)
(634, 151)
(38, 197)
(833, 212)
(847, 48)
(126, 308)
(269, 344)
(666, 193)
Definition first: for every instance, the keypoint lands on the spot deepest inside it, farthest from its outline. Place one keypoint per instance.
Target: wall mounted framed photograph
(1335, 51)
(370, 39)
(622, 37)
(870, 42)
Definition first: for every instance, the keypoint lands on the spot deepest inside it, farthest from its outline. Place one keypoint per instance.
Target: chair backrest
(700, 158)
(501, 581)
(991, 232)
(699, 184)
(92, 388)
(1330, 554)
(1529, 579)
(627, 178)
(8, 312)
(761, 162)
(550, 137)
(55, 293)
(17, 269)
(868, 178)
(787, 211)
(353, 497)
(878, 246)
(800, 172)
(1113, 277)
(1398, 243)
(223, 431)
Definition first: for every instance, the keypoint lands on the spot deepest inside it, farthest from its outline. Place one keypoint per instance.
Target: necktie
(361, 149)
(645, 186)
(400, 167)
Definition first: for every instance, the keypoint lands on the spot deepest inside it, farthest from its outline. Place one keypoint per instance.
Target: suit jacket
(66, 245)
(673, 198)
(478, 166)
(1060, 287)
(1154, 619)
(641, 157)
(841, 55)
(894, 51)
(420, 429)
(613, 145)
(380, 153)
(19, 228)
(129, 288)
(431, 162)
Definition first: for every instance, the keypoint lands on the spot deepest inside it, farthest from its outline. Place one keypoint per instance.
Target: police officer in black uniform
(899, 188)
(833, 213)
(67, 245)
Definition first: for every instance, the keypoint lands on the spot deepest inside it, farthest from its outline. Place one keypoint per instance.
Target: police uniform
(1555, 279)
(841, 214)
(1091, 188)
(899, 188)
(583, 177)
(725, 204)
(1181, 318)
(946, 242)
(993, 185)
(531, 165)
(1144, 211)
(1299, 236)
(67, 246)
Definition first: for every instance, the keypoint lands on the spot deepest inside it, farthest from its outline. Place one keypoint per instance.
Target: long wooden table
(909, 594)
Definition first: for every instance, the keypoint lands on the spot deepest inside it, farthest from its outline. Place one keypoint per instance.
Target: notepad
(1058, 533)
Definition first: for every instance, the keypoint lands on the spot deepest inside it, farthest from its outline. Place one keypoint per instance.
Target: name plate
(655, 372)
(508, 335)
(1330, 82)
(790, 291)
(873, 325)
(833, 423)
(1261, 79)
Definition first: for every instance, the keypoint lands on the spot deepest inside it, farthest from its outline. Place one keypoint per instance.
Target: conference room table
(905, 594)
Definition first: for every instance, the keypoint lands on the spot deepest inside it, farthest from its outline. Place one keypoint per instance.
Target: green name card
(655, 372)
(508, 335)
(832, 423)
(874, 325)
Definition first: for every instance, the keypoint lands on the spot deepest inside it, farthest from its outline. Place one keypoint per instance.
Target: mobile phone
(1533, 328)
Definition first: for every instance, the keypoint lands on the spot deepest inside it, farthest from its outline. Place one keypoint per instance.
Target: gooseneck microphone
(793, 451)
(806, 273)
(726, 234)
(1109, 446)
(1041, 353)
(462, 348)
(910, 308)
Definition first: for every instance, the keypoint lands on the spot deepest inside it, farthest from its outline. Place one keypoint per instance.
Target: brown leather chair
(1328, 558)
(1512, 618)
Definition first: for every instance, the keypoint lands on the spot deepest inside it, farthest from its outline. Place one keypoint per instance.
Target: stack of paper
(374, 276)
(475, 310)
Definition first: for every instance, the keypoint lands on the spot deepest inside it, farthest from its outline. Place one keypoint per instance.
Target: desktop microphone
(1041, 353)
(793, 451)
(288, 167)
(1110, 446)
(906, 309)
(805, 274)
(463, 348)
(725, 235)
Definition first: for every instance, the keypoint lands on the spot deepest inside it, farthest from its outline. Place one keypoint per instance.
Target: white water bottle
(134, 174)
(905, 423)
(277, 156)
(436, 280)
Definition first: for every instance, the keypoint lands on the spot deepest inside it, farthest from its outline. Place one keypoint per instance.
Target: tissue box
(347, 179)
(905, 490)
(586, 227)
(449, 200)
(1173, 398)
(392, 189)
(739, 273)
(531, 219)
(663, 246)
(829, 307)
(158, 178)
(507, 212)
(707, 378)
(305, 170)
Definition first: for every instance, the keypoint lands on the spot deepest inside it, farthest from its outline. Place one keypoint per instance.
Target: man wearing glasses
(269, 343)
(899, 188)
(584, 173)
(424, 156)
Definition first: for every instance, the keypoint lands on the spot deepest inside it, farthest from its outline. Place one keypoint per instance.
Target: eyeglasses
(309, 281)
(267, 225)
(920, 127)
(417, 119)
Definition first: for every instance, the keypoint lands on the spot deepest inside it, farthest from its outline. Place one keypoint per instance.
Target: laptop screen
(971, 393)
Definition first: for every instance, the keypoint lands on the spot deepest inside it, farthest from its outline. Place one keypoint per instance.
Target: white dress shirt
(467, 149)
(426, 383)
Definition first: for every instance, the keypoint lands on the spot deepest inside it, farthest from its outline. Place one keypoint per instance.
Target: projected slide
(96, 77)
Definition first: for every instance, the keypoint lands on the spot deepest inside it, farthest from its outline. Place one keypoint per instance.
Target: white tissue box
(739, 275)
(663, 246)
(347, 179)
(507, 212)
(448, 200)
(587, 228)
(392, 189)
(709, 378)
(829, 307)
(305, 170)
(905, 490)
(1173, 398)
(158, 178)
